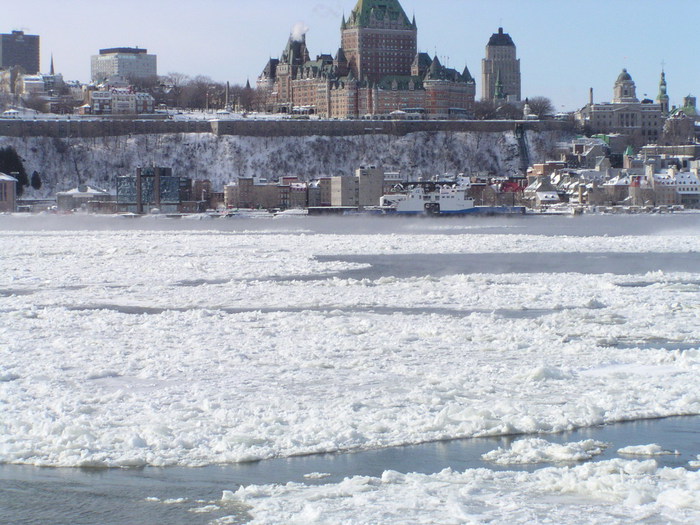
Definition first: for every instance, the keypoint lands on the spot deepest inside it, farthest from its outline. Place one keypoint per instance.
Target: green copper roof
(383, 10)
(663, 89)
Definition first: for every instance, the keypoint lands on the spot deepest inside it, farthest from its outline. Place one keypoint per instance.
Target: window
(3, 192)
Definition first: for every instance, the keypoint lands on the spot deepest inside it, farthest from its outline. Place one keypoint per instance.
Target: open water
(45, 496)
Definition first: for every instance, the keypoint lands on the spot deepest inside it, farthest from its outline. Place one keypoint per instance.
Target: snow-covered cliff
(64, 163)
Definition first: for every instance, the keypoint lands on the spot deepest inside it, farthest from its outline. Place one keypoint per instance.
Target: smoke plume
(298, 31)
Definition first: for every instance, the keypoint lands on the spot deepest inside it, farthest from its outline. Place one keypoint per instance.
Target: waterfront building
(501, 63)
(365, 188)
(376, 71)
(18, 49)
(155, 188)
(126, 62)
(641, 121)
(81, 197)
(8, 193)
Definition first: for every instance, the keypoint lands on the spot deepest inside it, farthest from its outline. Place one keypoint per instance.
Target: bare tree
(175, 83)
(509, 112)
(541, 106)
(485, 110)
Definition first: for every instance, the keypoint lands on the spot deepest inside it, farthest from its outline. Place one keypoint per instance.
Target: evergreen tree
(36, 180)
(10, 162)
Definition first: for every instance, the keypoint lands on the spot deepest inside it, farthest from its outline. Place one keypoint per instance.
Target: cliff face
(65, 163)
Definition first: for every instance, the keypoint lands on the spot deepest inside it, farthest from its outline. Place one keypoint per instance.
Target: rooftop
(123, 51)
(501, 39)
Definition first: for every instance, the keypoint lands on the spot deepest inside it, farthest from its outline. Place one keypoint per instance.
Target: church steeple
(52, 71)
(498, 94)
(663, 97)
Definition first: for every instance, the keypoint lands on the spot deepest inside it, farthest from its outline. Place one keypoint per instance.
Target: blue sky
(565, 46)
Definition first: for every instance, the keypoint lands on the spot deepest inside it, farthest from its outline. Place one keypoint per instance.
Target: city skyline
(232, 41)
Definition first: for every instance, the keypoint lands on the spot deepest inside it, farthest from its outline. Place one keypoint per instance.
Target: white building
(120, 101)
(642, 121)
(364, 189)
(126, 62)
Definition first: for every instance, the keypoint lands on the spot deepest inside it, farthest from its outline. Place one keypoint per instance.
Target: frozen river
(152, 343)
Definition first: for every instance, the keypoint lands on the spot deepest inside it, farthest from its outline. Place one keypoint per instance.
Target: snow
(613, 492)
(646, 450)
(536, 450)
(695, 464)
(223, 159)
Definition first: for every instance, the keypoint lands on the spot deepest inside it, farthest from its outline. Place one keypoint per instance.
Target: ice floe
(536, 450)
(613, 492)
(646, 450)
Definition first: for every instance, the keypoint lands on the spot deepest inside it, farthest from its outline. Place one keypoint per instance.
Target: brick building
(376, 71)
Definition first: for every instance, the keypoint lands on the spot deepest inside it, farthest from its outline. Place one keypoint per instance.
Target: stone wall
(94, 128)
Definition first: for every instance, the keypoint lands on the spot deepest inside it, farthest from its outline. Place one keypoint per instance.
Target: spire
(663, 97)
(52, 71)
(344, 24)
(247, 85)
(498, 92)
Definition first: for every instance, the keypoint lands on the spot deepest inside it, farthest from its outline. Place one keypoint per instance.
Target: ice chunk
(317, 475)
(536, 450)
(646, 450)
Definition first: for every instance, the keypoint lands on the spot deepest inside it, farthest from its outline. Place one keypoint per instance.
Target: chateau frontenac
(376, 71)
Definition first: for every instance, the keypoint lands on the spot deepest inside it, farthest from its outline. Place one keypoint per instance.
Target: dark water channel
(30, 495)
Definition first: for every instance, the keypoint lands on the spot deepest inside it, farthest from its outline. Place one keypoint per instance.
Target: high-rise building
(126, 62)
(18, 49)
(502, 63)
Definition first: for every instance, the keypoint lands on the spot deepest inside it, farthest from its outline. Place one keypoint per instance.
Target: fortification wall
(93, 128)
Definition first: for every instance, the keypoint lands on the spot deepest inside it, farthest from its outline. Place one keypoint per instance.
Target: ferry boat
(438, 198)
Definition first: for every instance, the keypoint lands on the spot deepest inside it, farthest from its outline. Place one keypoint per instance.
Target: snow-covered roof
(85, 190)
(664, 179)
(548, 196)
(688, 183)
(7, 178)
(620, 180)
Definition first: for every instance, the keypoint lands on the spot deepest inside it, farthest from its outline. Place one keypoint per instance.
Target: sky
(565, 46)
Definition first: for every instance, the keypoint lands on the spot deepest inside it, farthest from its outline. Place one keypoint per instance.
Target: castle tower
(379, 40)
(501, 57)
(625, 91)
(663, 98)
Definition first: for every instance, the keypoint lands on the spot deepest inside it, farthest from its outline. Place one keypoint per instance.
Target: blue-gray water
(38, 496)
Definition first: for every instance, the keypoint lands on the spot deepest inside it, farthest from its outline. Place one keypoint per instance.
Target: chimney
(591, 97)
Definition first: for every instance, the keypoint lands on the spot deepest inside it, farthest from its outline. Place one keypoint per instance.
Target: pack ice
(137, 346)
